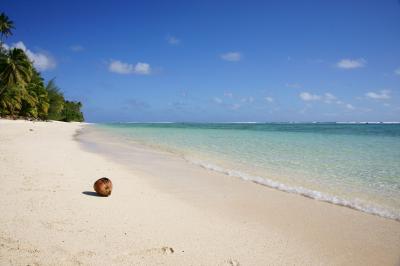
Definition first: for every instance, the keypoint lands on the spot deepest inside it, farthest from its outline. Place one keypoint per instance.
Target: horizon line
(252, 122)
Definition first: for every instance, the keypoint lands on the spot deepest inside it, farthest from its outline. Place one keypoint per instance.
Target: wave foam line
(317, 195)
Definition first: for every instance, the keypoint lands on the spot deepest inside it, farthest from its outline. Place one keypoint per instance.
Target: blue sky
(218, 61)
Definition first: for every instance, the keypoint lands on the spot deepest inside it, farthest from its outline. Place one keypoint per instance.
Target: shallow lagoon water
(354, 165)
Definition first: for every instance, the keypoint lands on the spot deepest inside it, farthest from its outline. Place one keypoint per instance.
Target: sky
(217, 61)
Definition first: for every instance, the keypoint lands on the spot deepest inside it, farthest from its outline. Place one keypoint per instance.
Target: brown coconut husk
(103, 187)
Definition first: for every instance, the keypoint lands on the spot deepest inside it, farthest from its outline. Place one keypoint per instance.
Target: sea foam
(317, 195)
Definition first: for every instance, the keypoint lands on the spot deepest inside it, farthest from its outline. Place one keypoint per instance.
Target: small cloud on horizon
(306, 96)
(351, 63)
(173, 40)
(135, 104)
(249, 99)
(327, 98)
(76, 48)
(235, 106)
(381, 95)
(231, 56)
(119, 67)
(228, 94)
(269, 99)
(217, 100)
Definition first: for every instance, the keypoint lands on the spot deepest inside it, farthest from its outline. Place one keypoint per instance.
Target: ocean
(353, 165)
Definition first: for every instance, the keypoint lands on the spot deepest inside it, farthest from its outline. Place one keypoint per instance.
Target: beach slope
(50, 216)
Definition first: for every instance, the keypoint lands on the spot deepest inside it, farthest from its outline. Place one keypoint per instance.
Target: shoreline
(355, 204)
(210, 184)
(209, 219)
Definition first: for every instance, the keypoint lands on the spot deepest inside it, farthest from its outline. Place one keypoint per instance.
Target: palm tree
(6, 25)
(56, 101)
(35, 103)
(15, 69)
(11, 101)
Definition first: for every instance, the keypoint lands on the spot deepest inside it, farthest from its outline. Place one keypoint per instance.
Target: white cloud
(397, 71)
(142, 68)
(269, 99)
(249, 99)
(173, 40)
(119, 67)
(76, 48)
(306, 96)
(217, 100)
(235, 106)
(228, 94)
(231, 56)
(381, 95)
(41, 61)
(329, 97)
(5, 46)
(351, 63)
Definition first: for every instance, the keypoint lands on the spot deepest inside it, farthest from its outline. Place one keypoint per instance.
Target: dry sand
(163, 211)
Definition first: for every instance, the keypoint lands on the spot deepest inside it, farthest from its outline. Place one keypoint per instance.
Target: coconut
(103, 187)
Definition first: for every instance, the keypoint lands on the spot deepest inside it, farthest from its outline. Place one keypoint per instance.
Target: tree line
(23, 92)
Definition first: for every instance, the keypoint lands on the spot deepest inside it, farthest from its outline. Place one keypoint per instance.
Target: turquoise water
(354, 165)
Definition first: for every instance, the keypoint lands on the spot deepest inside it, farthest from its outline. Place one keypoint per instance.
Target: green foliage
(60, 109)
(72, 112)
(38, 105)
(22, 89)
(56, 101)
(11, 102)
(15, 69)
(15, 75)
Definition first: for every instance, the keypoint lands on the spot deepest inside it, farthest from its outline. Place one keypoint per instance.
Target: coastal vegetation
(23, 92)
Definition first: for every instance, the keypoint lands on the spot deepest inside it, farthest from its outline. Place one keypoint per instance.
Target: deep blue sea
(354, 165)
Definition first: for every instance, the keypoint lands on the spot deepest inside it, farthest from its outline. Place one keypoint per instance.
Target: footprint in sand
(151, 251)
(167, 250)
(163, 250)
(232, 262)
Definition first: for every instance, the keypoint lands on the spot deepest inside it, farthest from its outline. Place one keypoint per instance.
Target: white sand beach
(50, 216)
